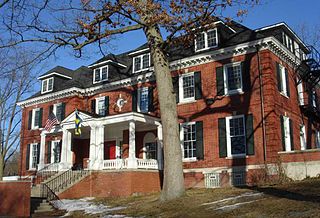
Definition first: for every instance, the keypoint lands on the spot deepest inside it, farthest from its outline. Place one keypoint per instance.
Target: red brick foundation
(15, 199)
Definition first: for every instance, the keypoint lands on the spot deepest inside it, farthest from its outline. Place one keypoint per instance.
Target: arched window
(149, 146)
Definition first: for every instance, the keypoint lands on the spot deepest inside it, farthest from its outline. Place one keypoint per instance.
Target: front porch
(123, 141)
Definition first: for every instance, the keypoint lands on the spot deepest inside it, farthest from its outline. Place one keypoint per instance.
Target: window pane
(97, 75)
(188, 86)
(34, 155)
(59, 111)
(36, 118)
(101, 107)
(56, 152)
(144, 100)
(189, 140)
(200, 43)
(146, 61)
(237, 136)
(234, 77)
(137, 63)
(212, 38)
(50, 84)
(151, 150)
(104, 73)
(44, 85)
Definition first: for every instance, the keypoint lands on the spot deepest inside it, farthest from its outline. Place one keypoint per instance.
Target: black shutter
(40, 117)
(282, 133)
(106, 105)
(220, 81)
(246, 80)
(291, 134)
(63, 111)
(287, 82)
(175, 83)
(249, 135)
(30, 120)
(49, 152)
(50, 109)
(197, 85)
(150, 99)
(28, 157)
(38, 153)
(279, 76)
(93, 106)
(222, 137)
(199, 140)
(134, 100)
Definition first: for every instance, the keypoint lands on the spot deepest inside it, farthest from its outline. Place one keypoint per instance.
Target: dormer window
(100, 74)
(206, 40)
(287, 41)
(47, 85)
(141, 63)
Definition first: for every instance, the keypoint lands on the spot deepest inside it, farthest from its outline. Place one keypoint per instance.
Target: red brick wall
(122, 183)
(15, 199)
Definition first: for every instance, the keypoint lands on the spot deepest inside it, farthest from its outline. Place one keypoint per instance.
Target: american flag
(52, 120)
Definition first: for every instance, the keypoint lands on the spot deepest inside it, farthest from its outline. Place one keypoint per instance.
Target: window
(186, 86)
(317, 139)
(236, 136)
(141, 63)
(300, 92)
(286, 133)
(288, 42)
(100, 74)
(36, 118)
(101, 106)
(151, 150)
(47, 85)
(233, 78)
(303, 140)
(314, 98)
(56, 151)
(188, 138)
(283, 80)
(34, 156)
(143, 99)
(59, 110)
(206, 40)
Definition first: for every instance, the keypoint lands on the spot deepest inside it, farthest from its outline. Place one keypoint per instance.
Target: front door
(110, 150)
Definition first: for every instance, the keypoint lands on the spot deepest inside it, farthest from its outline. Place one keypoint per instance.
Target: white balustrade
(123, 164)
(147, 164)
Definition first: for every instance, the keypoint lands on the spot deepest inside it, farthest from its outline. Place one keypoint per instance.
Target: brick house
(246, 100)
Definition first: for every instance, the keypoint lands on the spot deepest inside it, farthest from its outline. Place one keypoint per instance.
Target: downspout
(262, 106)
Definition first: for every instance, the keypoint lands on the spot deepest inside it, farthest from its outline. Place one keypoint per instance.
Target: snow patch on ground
(244, 195)
(86, 205)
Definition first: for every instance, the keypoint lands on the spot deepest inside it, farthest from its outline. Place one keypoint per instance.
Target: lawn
(294, 199)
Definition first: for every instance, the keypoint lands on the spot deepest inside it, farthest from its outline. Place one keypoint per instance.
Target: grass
(294, 199)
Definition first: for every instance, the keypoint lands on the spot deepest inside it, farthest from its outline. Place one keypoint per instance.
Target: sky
(293, 12)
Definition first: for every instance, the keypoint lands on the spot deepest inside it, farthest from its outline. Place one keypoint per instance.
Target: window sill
(187, 102)
(234, 93)
(205, 49)
(240, 156)
(186, 160)
(300, 151)
(100, 81)
(284, 95)
(32, 169)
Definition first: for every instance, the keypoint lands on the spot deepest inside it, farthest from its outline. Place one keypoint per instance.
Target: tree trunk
(173, 182)
(1, 166)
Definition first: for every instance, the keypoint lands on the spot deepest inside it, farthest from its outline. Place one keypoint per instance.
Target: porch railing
(123, 164)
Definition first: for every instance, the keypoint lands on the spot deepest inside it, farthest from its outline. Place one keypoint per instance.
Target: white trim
(139, 51)
(31, 157)
(317, 139)
(283, 78)
(190, 159)
(141, 63)
(303, 140)
(97, 104)
(33, 127)
(148, 138)
(100, 76)
(139, 98)
(105, 62)
(53, 73)
(229, 154)
(206, 47)
(181, 98)
(287, 139)
(52, 150)
(47, 85)
(225, 79)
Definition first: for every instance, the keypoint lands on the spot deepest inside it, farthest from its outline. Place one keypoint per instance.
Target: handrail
(47, 172)
(46, 192)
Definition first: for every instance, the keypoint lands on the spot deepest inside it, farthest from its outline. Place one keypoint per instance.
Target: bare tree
(81, 23)
(15, 81)
(309, 34)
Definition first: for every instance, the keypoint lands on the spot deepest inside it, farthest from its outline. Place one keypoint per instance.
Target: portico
(123, 141)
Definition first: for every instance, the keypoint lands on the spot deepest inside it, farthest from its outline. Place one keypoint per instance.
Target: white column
(132, 160)
(42, 150)
(96, 147)
(159, 147)
(66, 153)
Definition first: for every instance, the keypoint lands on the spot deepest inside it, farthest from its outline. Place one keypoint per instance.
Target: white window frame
(318, 139)
(283, 80)
(303, 139)
(100, 74)
(225, 78)
(52, 150)
(139, 98)
(206, 40)
(182, 141)
(229, 154)
(288, 42)
(287, 139)
(97, 104)
(314, 100)
(34, 118)
(141, 63)
(47, 85)
(300, 92)
(55, 106)
(31, 156)
(149, 138)
(181, 97)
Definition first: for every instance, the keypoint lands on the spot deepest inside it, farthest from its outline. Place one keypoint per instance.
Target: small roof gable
(72, 117)
(58, 71)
